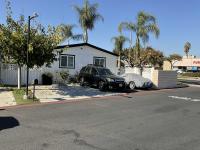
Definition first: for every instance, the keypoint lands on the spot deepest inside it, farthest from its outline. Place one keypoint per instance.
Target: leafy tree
(187, 48)
(119, 42)
(152, 57)
(172, 58)
(88, 16)
(13, 43)
(149, 56)
(144, 25)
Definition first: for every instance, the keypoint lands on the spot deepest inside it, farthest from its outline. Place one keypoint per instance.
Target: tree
(187, 48)
(66, 32)
(130, 27)
(144, 25)
(13, 43)
(148, 57)
(172, 58)
(119, 42)
(152, 57)
(88, 16)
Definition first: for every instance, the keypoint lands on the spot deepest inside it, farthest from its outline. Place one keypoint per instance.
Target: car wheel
(82, 81)
(101, 85)
(132, 85)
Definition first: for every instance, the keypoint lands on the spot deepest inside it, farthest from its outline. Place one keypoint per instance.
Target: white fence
(9, 74)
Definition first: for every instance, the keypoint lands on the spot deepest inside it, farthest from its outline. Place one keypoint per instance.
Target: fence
(9, 74)
(164, 79)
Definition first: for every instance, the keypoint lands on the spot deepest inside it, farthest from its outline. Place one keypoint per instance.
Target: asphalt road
(187, 81)
(149, 120)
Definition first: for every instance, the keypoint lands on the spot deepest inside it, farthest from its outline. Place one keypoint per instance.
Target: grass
(190, 74)
(19, 93)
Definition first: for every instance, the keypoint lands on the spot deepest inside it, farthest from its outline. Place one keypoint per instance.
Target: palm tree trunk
(138, 47)
(119, 58)
(86, 36)
(129, 52)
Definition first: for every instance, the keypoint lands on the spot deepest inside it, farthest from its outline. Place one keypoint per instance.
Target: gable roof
(86, 44)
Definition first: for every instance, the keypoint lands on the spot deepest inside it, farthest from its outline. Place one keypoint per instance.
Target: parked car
(179, 71)
(100, 77)
(136, 81)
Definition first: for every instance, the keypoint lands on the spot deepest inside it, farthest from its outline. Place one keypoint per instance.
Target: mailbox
(35, 82)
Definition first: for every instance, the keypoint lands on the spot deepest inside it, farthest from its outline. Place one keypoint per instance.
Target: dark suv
(101, 77)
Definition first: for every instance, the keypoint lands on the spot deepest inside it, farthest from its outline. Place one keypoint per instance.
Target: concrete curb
(193, 85)
(61, 102)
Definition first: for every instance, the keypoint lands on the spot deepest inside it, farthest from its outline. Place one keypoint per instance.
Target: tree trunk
(138, 47)
(119, 59)
(129, 53)
(19, 77)
(86, 36)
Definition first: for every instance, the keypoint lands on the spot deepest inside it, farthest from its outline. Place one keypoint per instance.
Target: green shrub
(64, 75)
(74, 78)
(2, 85)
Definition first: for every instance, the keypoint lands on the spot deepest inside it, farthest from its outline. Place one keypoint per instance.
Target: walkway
(6, 98)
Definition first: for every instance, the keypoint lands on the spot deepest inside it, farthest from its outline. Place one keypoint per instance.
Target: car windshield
(103, 71)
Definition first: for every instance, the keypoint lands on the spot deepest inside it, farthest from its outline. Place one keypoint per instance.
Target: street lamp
(28, 47)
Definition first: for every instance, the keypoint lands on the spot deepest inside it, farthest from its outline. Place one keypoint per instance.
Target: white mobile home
(68, 57)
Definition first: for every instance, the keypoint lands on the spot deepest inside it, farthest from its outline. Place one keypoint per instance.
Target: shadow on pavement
(8, 122)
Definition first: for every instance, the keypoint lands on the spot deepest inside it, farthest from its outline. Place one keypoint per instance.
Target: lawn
(19, 93)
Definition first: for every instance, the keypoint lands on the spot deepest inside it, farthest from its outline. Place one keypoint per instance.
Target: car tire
(131, 85)
(101, 85)
(82, 81)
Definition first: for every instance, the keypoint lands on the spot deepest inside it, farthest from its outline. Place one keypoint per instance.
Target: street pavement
(146, 120)
(190, 81)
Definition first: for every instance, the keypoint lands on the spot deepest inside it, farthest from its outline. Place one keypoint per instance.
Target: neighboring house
(69, 57)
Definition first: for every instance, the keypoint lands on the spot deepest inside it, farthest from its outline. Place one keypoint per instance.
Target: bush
(74, 78)
(2, 85)
(64, 75)
(47, 79)
(191, 74)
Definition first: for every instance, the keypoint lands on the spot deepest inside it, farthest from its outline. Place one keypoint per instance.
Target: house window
(67, 61)
(100, 61)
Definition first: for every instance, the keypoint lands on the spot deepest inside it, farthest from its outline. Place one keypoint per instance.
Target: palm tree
(67, 33)
(88, 15)
(144, 25)
(187, 47)
(119, 42)
(131, 27)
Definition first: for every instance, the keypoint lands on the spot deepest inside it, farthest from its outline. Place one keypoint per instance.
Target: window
(67, 61)
(100, 61)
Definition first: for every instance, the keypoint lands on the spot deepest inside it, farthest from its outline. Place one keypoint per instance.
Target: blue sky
(179, 20)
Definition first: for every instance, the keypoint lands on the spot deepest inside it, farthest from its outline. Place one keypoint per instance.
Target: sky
(178, 20)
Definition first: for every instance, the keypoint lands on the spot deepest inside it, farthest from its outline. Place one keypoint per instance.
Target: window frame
(66, 55)
(99, 58)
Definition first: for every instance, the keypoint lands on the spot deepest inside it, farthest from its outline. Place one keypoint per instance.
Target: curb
(62, 102)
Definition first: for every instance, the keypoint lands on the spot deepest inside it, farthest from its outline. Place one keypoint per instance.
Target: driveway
(153, 120)
(71, 92)
(6, 98)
